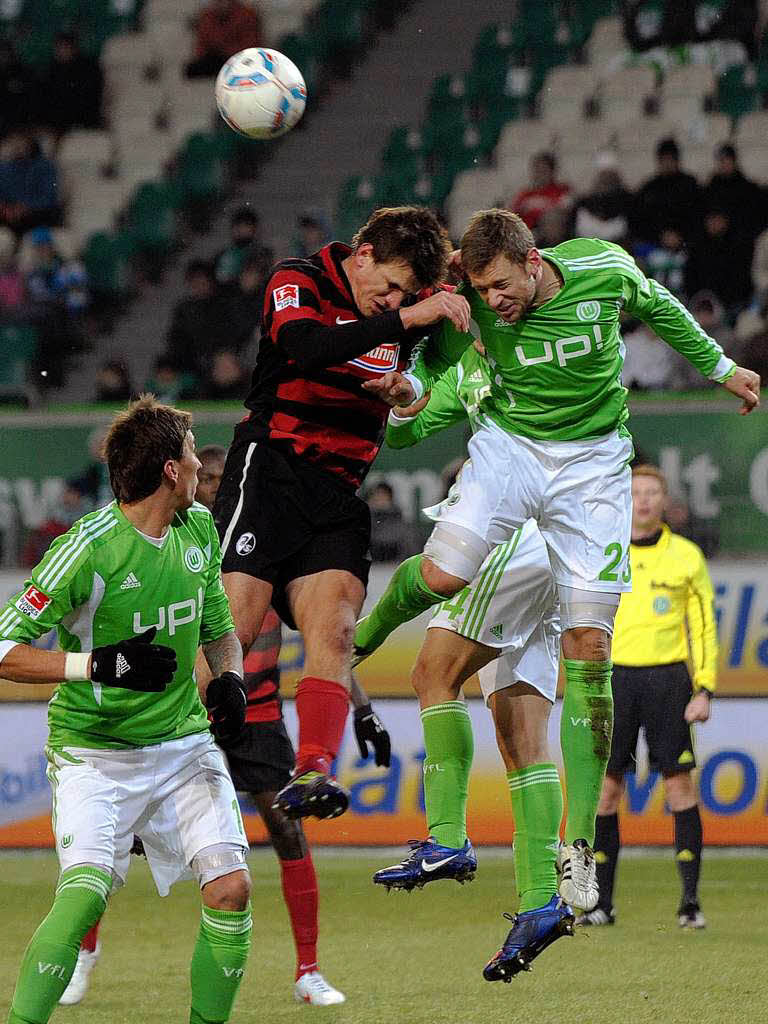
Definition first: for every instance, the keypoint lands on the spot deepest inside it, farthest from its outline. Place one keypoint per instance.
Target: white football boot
(312, 988)
(81, 976)
(578, 875)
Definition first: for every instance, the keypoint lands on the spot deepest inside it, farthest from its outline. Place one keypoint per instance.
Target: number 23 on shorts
(615, 555)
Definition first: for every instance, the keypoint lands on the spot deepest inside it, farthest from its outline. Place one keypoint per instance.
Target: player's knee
(440, 582)
(679, 791)
(453, 556)
(435, 677)
(585, 643)
(229, 892)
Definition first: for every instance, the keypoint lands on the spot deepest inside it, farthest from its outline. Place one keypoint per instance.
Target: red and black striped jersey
(261, 672)
(321, 412)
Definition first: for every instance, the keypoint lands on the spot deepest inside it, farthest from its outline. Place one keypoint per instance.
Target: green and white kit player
(554, 446)
(130, 747)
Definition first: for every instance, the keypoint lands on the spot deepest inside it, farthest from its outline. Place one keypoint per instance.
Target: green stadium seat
(302, 51)
(152, 216)
(107, 260)
(736, 91)
(357, 200)
(199, 172)
(18, 345)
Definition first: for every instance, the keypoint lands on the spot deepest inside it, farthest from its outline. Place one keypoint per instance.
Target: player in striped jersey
(554, 447)
(130, 747)
(294, 532)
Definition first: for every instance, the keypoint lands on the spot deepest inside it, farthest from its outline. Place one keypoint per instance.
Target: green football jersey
(556, 373)
(103, 581)
(464, 391)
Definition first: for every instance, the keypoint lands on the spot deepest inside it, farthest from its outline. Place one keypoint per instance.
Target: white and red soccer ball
(260, 93)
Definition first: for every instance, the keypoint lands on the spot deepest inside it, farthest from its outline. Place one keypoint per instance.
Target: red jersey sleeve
(290, 296)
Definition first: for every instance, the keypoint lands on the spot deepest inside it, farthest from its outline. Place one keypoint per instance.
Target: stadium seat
(736, 91)
(754, 161)
(624, 93)
(357, 199)
(590, 136)
(107, 261)
(605, 42)
(752, 128)
(84, 146)
(564, 94)
(519, 140)
(18, 345)
(472, 190)
(691, 80)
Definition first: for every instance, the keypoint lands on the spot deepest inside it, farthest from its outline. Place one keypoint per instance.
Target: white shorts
(511, 604)
(578, 492)
(176, 796)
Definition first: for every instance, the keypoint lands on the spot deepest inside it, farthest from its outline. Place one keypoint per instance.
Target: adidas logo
(121, 666)
(130, 582)
(476, 377)
(497, 631)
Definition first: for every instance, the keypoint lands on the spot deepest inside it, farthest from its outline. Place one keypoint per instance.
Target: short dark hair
(195, 267)
(492, 233)
(140, 441)
(212, 451)
(244, 215)
(411, 234)
(668, 147)
(726, 149)
(548, 158)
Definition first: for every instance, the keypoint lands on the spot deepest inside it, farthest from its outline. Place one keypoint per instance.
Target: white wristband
(77, 666)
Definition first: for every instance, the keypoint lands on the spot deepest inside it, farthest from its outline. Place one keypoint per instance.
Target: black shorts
(280, 518)
(653, 699)
(262, 759)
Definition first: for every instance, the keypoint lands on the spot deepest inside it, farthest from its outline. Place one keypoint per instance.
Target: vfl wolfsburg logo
(193, 559)
(588, 310)
(67, 840)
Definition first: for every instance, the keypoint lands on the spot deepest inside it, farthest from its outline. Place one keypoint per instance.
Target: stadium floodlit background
(136, 233)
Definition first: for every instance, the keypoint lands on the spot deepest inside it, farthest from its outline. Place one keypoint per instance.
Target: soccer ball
(260, 93)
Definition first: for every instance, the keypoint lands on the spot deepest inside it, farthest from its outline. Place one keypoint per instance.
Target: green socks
(449, 747)
(585, 739)
(50, 957)
(406, 597)
(218, 963)
(537, 806)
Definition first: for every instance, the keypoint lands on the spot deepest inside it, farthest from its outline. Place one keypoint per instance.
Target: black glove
(225, 699)
(138, 847)
(369, 729)
(135, 664)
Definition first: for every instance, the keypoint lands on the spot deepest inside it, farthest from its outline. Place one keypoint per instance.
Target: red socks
(90, 939)
(300, 894)
(322, 707)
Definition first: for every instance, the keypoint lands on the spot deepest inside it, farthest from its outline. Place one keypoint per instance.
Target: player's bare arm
(442, 305)
(224, 694)
(223, 655)
(745, 384)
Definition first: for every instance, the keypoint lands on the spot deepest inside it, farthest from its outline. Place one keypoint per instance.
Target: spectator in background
(199, 324)
(649, 364)
(603, 212)
(53, 280)
(680, 519)
(245, 301)
(223, 28)
(244, 245)
(666, 260)
(710, 314)
(392, 539)
(721, 262)
(17, 96)
(313, 231)
(228, 379)
(72, 89)
(544, 192)
(12, 293)
(169, 385)
(730, 190)
(28, 184)
(92, 482)
(113, 383)
(70, 507)
(671, 198)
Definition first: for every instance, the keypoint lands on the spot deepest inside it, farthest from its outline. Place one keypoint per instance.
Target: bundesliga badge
(286, 295)
(33, 603)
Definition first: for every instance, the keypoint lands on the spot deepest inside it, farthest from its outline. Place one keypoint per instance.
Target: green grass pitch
(416, 959)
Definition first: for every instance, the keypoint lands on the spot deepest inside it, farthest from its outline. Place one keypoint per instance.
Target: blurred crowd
(705, 241)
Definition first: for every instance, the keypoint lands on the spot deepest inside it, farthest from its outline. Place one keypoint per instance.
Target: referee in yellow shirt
(666, 621)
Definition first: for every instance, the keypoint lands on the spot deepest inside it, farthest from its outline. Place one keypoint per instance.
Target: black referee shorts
(652, 699)
(262, 758)
(280, 518)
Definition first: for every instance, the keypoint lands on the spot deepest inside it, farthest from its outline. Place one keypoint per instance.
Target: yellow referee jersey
(670, 587)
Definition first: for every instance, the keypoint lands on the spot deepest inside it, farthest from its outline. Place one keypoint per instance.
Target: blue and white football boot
(531, 933)
(427, 862)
